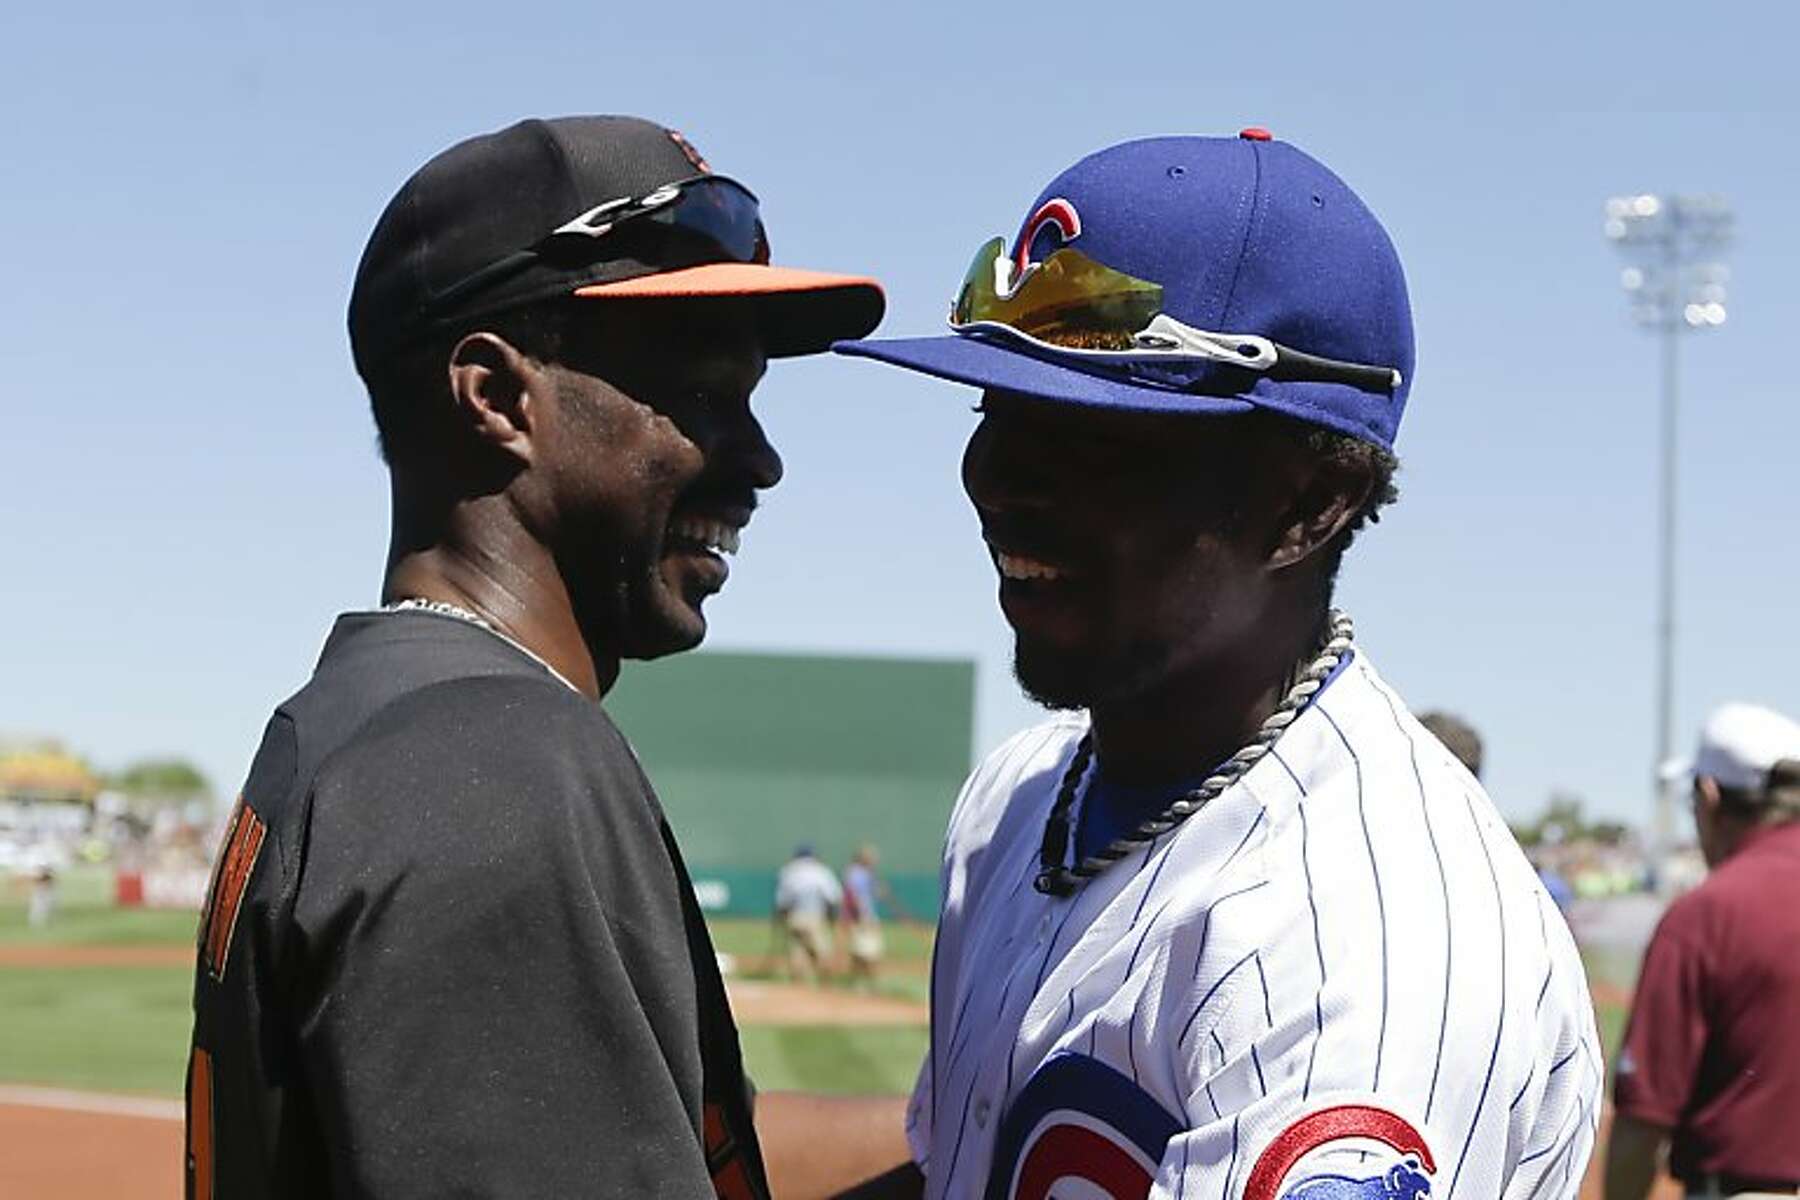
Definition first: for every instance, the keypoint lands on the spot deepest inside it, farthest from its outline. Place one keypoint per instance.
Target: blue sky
(191, 488)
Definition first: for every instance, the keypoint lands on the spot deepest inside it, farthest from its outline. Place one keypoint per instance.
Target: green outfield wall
(754, 753)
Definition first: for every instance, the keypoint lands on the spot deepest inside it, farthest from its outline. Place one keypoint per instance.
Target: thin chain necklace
(1055, 879)
(444, 608)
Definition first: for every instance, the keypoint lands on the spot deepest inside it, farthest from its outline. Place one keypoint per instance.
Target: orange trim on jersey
(212, 884)
(732, 1182)
(200, 1127)
(243, 843)
(730, 1178)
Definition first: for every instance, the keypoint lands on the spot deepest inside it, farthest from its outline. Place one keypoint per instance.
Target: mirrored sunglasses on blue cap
(715, 214)
(1070, 307)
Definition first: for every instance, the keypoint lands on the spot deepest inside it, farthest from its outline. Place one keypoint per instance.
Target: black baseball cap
(603, 207)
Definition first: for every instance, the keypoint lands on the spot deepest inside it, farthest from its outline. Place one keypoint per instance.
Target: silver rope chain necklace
(1056, 879)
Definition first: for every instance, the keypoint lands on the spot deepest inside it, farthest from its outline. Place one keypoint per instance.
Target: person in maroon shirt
(1710, 1066)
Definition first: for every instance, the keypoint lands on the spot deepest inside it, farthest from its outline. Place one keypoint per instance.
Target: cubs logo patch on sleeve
(1345, 1152)
(1079, 1129)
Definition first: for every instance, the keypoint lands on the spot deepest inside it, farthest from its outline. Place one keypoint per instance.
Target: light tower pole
(1675, 280)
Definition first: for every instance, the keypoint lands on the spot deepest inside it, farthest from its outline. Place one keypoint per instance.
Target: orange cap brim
(730, 279)
(800, 312)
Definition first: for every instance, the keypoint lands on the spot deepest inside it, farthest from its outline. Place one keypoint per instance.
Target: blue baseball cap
(1245, 235)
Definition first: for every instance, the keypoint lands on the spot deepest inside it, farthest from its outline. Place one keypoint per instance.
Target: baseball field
(95, 1023)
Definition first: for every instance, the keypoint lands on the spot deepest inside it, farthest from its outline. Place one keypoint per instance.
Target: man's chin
(1052, 680)
(667, 637)
(661, 622)
(1060, 679)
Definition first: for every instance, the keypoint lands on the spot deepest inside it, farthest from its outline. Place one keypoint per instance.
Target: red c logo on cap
(1058, 212)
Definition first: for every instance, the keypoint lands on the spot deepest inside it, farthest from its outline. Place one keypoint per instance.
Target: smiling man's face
(656, 464)
(1126, 544)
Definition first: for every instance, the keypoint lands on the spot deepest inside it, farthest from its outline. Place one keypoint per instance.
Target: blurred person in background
(1709, 1070)
(807, 896)
(40, 908)
(863, 889)
(1459, 737)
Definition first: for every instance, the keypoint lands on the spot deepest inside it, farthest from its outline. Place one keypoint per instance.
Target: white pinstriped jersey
(1339, 979)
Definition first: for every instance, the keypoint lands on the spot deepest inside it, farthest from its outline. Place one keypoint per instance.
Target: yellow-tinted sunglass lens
(977, 294)
(1071, 300)
(1067, 300)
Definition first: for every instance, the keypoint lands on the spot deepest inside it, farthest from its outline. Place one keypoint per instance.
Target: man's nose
(753, 453)
(999, 471)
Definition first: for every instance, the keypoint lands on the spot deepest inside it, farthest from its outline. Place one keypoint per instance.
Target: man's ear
(498, 393)
(1323, 498)
(1706, 795)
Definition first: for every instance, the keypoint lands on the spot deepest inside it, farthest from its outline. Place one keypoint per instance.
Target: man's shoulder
(518, 748)
(372, 661)
(1738, 892)
(1359, 739)
(1026, 763)
(1026, 753)
(505, 783)
(1769, 860)
(508, 721)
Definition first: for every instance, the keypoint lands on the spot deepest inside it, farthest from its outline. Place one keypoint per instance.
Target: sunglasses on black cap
(710, 216)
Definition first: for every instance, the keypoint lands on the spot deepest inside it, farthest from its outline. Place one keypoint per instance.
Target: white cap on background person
(1738, 746)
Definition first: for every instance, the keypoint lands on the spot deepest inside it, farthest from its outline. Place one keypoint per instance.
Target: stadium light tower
(1675, 280)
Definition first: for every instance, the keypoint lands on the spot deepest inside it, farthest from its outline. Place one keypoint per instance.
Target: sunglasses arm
(1164, 333)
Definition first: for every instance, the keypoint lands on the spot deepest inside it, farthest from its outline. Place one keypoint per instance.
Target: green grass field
(97, 926)
(824, 1058)
(114, 1029)
(126, 1029)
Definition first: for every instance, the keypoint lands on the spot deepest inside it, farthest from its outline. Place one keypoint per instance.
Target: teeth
(1015, 566)
(714, 535)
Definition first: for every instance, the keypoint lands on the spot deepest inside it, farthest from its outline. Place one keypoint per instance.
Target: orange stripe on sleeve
(212, 885)
(200, 1127)
(242, 846)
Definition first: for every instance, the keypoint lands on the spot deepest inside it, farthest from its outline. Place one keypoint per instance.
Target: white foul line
(92, 1102)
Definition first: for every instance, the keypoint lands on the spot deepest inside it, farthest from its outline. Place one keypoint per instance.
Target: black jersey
(451, 949)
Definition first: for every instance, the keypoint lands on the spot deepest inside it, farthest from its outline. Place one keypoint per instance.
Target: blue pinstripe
(1500, 1024)
(1412, 750)
(962, 1126)
(1319, 948)
(1380, 901)
(1225, 1191)
(1149, 853)
(1268, 1011)
(1217, 984)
